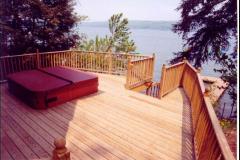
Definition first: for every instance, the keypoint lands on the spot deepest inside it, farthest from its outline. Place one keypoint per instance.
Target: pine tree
(118, 41)
(209, 29)
(27, 25)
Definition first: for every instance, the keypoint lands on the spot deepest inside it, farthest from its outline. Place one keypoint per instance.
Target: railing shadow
(187, 133)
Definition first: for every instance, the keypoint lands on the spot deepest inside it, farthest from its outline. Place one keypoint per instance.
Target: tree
(97, 44)
(118, 41)
(27, 25)
(120, 34)
(209, 29)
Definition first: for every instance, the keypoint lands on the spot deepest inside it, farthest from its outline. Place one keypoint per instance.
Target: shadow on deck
(114, 123)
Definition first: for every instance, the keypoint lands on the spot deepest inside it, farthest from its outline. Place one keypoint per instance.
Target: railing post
(128, 78)
(199, 70)
(60, 152)
(162, 81)
(37, 59)
(153, 63)
(185, 60)
(110, 63)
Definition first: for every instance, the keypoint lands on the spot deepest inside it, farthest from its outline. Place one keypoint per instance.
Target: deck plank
(44, 127)
(21, 145)
(26, 137)
(5, 154)
(11, 147)
(114, 123)
(129, 129)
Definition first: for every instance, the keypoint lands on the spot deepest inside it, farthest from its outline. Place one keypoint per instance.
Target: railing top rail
(130, 54)
(223, 144)
(19, 55)
(191, 67)
(138, 60)
(52, 52)
(199, 79)
(30, 54)
(201, 84)
(91, 51)
(175, 65)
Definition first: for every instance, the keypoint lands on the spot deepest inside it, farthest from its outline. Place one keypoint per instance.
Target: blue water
(148, 41)
(162, 42)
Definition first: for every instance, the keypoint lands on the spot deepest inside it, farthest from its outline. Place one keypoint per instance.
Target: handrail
(220, 135)
(201, 83)
(139, 72)
(191, 67)
(138, 60)
(205, 124)
(128, 54)
(209, 139)
(173, 75)
(62, 51)
(175, 65)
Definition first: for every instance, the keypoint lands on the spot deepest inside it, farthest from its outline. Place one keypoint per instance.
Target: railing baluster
(8, 65)
(2, 67)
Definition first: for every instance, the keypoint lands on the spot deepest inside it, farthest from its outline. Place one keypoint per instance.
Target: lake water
(148, 41)
(161, 42)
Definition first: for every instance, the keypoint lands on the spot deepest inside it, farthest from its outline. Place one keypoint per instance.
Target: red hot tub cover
(75, 76)
(47, 87)
(37, 81)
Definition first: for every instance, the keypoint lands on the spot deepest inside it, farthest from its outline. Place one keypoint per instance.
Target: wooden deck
(114, 123)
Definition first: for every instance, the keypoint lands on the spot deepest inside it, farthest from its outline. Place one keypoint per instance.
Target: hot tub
(48, 87)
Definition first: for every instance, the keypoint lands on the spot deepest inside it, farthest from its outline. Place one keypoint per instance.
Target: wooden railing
(209, 139)
(103, 62)
(170, 78)
(139, 72)
(11, 64)
(153, 89)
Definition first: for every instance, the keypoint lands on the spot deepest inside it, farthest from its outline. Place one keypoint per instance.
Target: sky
(151, 10)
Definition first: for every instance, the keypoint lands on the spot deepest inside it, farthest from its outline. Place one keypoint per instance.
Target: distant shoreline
(133, 24)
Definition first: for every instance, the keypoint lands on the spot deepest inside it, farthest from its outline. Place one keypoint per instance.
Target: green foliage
(228, 72)
(227, 124)
(99, 44)
(27, 25)
(118, 41)
(208, 28)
